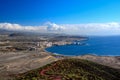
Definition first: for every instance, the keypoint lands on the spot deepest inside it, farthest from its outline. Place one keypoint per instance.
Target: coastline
(77, 55)
(23, 61)
(108, 60)
(81, 42)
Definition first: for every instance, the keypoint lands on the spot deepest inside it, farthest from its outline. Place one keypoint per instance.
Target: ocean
(101, 46)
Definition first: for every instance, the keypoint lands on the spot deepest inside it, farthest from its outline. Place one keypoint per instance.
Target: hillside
(71, 69)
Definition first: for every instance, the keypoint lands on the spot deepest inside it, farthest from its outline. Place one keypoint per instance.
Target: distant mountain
(72, 69)
(13, 33)
(3, 32)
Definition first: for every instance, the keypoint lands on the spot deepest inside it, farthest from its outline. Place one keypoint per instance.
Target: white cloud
(47, 27)
(112, 28)
(9, 26)
(54, 27)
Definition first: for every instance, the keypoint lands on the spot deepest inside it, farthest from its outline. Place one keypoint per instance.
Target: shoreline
(93, 54)
(107, 60)
(16, 62)
(72, 43)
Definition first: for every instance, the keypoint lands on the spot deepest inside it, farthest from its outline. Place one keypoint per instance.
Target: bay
(101, 46)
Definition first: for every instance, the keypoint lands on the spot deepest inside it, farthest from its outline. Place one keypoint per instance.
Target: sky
(83, 17)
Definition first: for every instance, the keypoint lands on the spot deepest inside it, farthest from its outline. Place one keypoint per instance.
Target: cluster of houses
(30, 47)
(49, 44)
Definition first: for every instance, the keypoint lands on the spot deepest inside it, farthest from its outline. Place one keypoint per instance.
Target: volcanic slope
(72, 69)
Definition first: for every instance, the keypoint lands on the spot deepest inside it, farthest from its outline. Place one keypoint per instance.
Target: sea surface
(101, 46)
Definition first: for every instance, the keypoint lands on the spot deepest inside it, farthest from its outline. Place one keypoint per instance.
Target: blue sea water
(102, 46)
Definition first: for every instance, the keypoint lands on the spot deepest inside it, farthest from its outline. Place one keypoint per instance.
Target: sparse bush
(73, 69)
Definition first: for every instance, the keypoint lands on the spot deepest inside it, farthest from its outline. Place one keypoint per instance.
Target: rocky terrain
(20, 53)
(112, 61)
(19, 62)
(71, 69)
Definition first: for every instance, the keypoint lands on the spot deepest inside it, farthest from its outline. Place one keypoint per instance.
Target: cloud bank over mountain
(100, 29)
(9, 26)
(54, 27)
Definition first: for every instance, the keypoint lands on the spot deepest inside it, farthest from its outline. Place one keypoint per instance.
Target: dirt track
(52, 77)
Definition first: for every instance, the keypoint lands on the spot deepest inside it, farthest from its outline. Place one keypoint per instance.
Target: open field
(15, 63)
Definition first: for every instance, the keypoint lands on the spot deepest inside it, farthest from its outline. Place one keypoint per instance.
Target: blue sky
(84, 17)
(35, 12)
